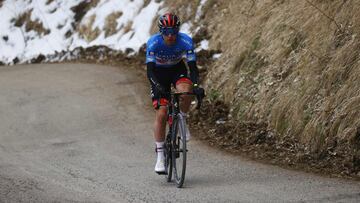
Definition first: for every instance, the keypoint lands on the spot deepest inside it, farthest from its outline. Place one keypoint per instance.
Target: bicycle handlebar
(199, 99)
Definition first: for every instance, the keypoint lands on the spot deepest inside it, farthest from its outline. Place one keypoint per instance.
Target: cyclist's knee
(157, 103)
(184, 84)
(183, 87)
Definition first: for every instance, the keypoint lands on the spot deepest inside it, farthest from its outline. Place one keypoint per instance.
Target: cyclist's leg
(160, 103)
(183, 83)
(160, 119)
(159, 134)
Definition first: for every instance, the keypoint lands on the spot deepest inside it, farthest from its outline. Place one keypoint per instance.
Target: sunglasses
(169, 31)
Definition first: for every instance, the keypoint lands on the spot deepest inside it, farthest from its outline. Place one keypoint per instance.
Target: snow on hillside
(56, 28)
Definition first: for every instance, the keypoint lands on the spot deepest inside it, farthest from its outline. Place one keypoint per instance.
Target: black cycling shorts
(166, 76)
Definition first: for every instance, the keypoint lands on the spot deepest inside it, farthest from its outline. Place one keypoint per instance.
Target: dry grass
(295, 42)
(37, 26)
(86, 30)
(186, 11)
(128, 27)
(297, 74)
(83, 7)
(146, 3)
(111, 24)
(49, 2)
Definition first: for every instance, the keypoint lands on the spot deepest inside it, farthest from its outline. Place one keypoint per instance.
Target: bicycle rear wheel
(168, 159)
(179, 150)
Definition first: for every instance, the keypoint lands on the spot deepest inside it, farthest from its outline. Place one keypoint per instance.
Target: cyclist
(165, 66)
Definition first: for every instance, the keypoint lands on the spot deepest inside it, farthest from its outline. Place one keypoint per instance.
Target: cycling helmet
(168, 20)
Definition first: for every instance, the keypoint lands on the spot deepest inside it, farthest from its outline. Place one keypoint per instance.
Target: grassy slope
(292, 66)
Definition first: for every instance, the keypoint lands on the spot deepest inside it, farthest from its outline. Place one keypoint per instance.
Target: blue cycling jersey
(165, 56)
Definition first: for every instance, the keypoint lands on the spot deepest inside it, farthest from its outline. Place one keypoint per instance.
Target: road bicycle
(175, 142)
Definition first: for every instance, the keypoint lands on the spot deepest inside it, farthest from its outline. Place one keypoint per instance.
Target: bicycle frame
(172, 149)
(174, 107)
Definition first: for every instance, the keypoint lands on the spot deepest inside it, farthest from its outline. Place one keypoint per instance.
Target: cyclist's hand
(200, 92)
(160, 88)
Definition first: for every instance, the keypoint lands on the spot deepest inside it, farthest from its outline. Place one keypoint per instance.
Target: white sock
(160, 154)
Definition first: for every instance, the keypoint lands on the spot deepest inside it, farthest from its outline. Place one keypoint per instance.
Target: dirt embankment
(286, 87)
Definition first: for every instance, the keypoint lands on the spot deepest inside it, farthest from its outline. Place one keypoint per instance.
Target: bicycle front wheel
(179, 150)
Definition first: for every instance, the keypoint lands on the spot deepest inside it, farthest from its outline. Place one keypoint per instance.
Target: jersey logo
(189, 43)
(153, 43)
(191, 58)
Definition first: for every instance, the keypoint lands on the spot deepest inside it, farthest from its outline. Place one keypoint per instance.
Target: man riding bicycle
(165, 66)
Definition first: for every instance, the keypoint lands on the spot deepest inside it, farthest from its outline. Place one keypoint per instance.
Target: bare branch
(317, 8)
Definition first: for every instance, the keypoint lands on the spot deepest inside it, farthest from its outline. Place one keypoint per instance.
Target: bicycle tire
(179, 150)
(168, 158)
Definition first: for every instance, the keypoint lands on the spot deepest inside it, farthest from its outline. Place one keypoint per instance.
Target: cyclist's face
(169, 39)
(169, 35)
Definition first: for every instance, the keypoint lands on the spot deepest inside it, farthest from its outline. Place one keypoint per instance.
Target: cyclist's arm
(151, 60)
(150, 73)
(191, 60)
(194, 72)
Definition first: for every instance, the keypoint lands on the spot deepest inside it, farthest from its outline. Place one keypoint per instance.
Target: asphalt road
(83, 133)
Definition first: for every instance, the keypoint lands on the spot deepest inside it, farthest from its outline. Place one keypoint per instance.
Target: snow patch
(185, 28)
(216, 56)
(199, 10)
(58, 17)
(204, 45)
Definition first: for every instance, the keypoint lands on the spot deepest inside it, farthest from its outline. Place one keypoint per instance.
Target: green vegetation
(213, 95)
(249, 59)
